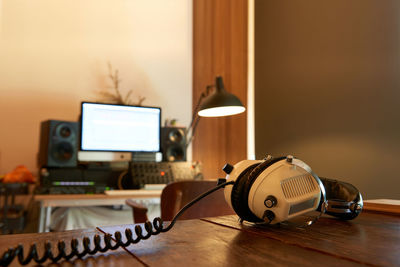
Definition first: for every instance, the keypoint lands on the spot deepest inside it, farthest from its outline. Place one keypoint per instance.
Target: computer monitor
(120, 128)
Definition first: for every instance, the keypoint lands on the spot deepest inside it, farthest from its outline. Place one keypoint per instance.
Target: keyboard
(144, 173)
(56, 190)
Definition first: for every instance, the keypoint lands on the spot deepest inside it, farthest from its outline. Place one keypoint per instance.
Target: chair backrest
(177, 194)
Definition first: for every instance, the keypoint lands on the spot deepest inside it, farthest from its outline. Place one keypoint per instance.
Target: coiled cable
(151, 229)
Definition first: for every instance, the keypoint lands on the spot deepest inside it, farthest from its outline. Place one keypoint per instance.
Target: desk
(47, 202)
(372, 239)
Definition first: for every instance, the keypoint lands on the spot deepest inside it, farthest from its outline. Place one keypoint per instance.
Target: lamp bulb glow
(221, 111)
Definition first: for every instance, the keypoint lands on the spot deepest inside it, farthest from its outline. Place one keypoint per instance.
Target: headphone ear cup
(241, 189)
(239, 204)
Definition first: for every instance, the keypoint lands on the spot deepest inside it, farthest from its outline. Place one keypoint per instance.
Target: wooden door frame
(220, 48)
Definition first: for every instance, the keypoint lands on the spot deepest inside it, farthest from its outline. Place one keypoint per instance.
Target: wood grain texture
(118, 257)
(388, 206)
(370, 239)
(200, 243)
(220, 49)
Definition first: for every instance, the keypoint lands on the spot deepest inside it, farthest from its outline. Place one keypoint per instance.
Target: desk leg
(41, 218)
(47, 220)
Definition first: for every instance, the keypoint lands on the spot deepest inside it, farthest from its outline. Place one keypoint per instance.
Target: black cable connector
(221, 181)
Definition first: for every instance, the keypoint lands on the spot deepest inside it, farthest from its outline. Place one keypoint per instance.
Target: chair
(177, 194)
(12, 215)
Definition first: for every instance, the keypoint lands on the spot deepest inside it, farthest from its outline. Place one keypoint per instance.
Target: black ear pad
(241, 189)
(242, 209)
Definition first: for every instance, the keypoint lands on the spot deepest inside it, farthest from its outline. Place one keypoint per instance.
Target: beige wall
(327, 88)
(54, 54)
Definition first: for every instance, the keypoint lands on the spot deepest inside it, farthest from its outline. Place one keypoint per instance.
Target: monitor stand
(100, 156)
(146, 156)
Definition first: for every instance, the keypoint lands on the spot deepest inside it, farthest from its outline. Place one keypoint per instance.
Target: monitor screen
(109, 127)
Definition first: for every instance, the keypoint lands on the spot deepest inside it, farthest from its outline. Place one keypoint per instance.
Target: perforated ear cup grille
(241, 189)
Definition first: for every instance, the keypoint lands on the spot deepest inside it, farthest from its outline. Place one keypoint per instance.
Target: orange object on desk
(20, 174)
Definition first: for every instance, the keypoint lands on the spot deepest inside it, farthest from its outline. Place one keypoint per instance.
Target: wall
(54, 54)
(327, 88)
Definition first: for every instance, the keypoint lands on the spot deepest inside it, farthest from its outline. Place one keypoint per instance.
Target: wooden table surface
(372, 239)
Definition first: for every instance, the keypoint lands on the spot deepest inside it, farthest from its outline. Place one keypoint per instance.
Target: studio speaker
(173, 143)
(58, 144)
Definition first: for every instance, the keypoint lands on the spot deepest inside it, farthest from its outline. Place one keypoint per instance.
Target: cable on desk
(151, 229)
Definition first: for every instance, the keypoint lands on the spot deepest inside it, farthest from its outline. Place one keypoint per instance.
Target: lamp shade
(220, 103)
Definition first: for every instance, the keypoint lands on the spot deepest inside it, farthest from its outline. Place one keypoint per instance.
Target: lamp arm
(193, 130)
(195, 118)
(202, 96)
(191, 136)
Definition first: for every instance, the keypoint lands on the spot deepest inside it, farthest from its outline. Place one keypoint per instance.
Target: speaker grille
(298, 186)
(173, 143)
(58, 144)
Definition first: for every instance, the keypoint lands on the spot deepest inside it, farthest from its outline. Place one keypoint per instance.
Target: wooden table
(116, 197)
(372, 239)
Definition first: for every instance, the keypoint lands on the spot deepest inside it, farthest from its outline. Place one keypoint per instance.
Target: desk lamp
(217, 104)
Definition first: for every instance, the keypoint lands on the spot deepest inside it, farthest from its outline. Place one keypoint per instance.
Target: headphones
(274, 190)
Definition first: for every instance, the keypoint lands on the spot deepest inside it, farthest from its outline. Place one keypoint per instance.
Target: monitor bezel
(111, 104)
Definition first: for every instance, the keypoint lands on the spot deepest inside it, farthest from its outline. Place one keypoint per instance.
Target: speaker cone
(65, 131)
(175, 153)
(176, 135)
(63, 151)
